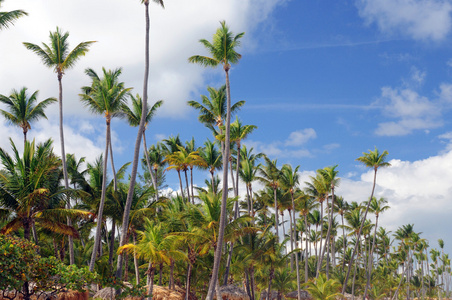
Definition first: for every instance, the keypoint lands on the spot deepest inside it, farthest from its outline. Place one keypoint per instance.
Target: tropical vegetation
(254, 223)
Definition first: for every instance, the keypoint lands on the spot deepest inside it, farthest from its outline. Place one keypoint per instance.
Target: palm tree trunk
(269, 289)
(102, 201)
(160, 273)
(370, 263)
(234, 187)
(187, 291)
(115, 180)
(135, 259)
(276, 214)
(35, 234)
(359, 233)
(171, 278)
(217, 257)
(150, 279)
(112, 243)
(133, 173)
(148, 164)
(319, 258)
(63, 162)
(188, 187)
(191, 185)
(292, 235)
(344, 245)
(181, 187)
(306, 250)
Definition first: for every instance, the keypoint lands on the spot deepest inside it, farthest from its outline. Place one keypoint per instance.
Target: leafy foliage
(20, 263)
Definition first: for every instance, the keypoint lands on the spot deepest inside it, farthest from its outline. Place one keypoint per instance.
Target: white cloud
(118, 28)
(300, 137)
(417, 19)
(418, 193)
(413, 111)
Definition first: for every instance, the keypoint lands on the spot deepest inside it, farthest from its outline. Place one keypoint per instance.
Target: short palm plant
(322, 288)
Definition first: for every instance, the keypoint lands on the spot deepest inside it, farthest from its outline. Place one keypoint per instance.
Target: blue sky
(324, 81)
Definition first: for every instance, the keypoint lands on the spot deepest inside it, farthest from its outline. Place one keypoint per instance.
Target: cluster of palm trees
(200, 237)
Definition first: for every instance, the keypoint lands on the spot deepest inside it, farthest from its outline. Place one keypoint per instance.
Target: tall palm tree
(58, 56)
(105, 96)
(133, 116)
(212, 157)
(376, 207)
(8, 17)
(330, 175)
(24, 109)
(290, 181)
(223, 52)
(341, 207)
(238, 133)
(375, 160)
(136, 153)
(319, 189)
(270, 175)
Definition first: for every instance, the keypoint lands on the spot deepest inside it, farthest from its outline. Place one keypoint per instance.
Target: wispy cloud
(416, 19)
(307, 106)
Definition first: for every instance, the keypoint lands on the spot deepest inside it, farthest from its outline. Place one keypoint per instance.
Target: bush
(20, 264)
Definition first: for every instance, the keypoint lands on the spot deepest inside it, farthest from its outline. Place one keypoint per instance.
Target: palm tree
(375, 160)
(8, 17)
(289, 181)
(330, 175)
(29, 189)
(57, 55)
(222, 52)
(24, 109)
(133, 116)
(213, 109)
(270, 176)
(105, 96)
(341, 207)
(377, 207)
(136, 153)
(238, 133)
(182, 160)
(155, 246)
(212, 157)
(319, 189)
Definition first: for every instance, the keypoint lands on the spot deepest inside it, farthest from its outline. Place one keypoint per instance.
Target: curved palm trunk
(133, 173)
(217, 258)
(63, 162)
(102, 201)
(359, 233)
